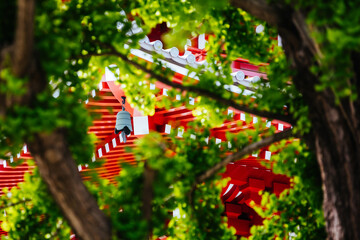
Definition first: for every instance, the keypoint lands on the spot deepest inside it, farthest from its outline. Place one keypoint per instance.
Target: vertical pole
(123, 108)
(123, 103)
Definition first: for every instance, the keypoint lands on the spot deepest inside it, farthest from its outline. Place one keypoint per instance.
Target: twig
(245, 151)
(15, 204)
(194, 89)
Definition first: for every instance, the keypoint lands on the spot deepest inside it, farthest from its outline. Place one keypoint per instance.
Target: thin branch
(15, 204)
(24, 37)
(199, 91)
(245, 151)
(149, 176)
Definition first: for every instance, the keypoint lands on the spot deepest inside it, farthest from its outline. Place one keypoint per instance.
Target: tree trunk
(338, 154)
(50, 150)
(335, 135)
(59, 171)
(335, 132)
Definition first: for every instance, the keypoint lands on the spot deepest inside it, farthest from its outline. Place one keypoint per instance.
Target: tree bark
(335, 135)
(335, 127)
(59, 171)
(50, 150)
(338, 154)
(24, 37)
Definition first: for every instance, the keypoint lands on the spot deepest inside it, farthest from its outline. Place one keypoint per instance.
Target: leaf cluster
(29, 212)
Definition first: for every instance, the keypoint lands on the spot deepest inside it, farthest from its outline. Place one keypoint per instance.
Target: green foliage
(12, 85)
(338, 38)
(30, 212)
(240, 40)
(295, 159)
(50, 113)
(289, 216)
(297, 212)
(75, 40)
(180, 16)
(176, 163)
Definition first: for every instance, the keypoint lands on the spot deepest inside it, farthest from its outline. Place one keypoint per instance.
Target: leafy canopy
(77, 39)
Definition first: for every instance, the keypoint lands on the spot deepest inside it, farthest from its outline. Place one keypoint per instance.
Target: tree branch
(199, 91)
(245, 151)
(50, 150)
(147, 196)
(22, 62)
(24, 37)
(59, 171)
(14, 204)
